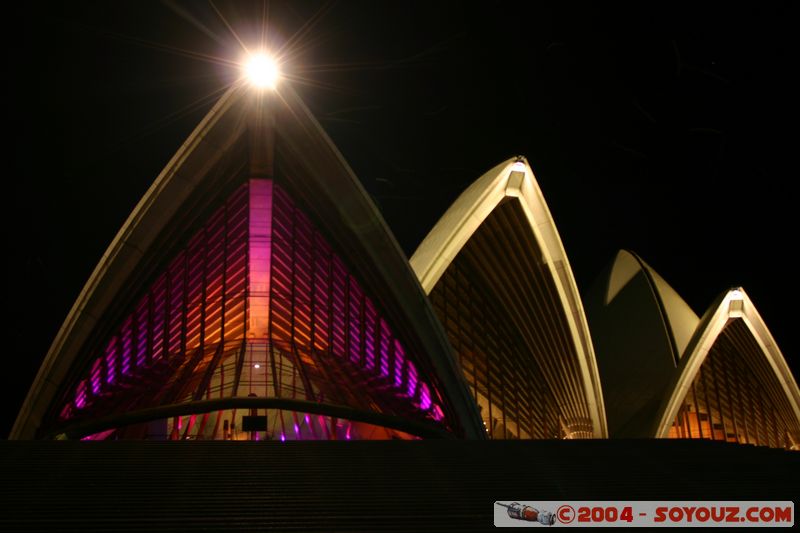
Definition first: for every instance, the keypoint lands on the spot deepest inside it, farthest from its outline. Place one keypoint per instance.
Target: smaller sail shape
(640, 328)
(500, 282)
(733, 384)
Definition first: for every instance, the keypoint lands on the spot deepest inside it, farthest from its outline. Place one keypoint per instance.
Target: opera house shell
(256, 293)
(668, 373)
(499, 279)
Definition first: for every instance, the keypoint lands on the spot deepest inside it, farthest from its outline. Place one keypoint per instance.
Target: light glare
(262, 71)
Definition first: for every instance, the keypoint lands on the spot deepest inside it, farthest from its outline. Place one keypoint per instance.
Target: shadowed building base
(360, 486)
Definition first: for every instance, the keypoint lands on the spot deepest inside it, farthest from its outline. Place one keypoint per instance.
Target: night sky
(667, 129)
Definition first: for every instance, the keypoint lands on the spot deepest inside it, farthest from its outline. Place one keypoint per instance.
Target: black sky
(668, 129)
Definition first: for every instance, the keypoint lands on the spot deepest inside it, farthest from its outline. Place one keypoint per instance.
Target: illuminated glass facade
(499, 307)
(255, 293)
(500, 283)
(735, 397)
(257, 305)
(668, 373)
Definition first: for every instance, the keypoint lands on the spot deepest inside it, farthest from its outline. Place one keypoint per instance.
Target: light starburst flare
(262, 71)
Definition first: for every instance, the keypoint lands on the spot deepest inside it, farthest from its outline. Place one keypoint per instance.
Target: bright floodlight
(262, 71)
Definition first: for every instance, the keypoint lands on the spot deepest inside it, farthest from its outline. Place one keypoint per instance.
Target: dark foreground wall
(360, 486)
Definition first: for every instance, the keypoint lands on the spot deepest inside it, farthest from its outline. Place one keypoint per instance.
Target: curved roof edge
(733, 304)
(638, 323)
(334, 177)
(216, 134)
(680, 321)
(514, 178)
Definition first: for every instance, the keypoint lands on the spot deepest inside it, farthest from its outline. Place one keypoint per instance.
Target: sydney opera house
(255, 293)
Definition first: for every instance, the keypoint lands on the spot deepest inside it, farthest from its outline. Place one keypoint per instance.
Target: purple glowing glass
(411, 381)
(399, 362)
(80, 395)
(370, 316)
(385, 343)
(142, 331)
(127, 345)
(424, 397)
(96, 376)
(260, 253)
(259, 268)
(111, 361)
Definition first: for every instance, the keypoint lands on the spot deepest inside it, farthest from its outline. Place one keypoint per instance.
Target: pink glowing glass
(158, 297)
(411, 381)
(370, 323)
(262, 257)
(399, 362)
(111, 361)
(424, 397)
(127, 345)
(80, 395)
(385, 343)
(96, 376)
(260, 249)
(142, 330)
